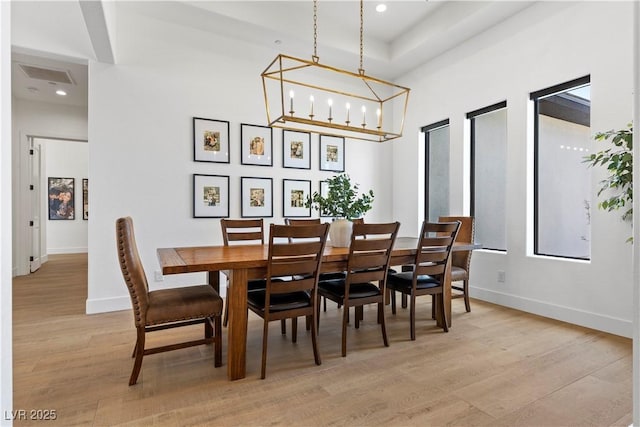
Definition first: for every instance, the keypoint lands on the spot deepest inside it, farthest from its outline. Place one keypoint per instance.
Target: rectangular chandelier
(307, 96)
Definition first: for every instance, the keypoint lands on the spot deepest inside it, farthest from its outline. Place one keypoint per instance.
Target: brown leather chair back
(132, 270)
(466, 234)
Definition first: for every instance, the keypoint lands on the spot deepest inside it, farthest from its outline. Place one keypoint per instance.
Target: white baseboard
(104, 305)
(56, 251)
(587, 319)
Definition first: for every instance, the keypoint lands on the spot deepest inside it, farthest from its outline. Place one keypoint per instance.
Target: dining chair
(296, 252)
(165, 308)
(429, 269)
(243, 231)
(368, 262)
(461, 260)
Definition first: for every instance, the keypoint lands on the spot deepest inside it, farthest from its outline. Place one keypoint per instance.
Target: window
(562, 183)
(436, 138)
(488, 174)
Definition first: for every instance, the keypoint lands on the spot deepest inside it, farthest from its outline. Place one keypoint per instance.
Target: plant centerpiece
(618, 161)
(343, 202)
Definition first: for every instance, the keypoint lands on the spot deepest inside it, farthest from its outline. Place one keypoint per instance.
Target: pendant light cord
(361, 69)
(315, 32)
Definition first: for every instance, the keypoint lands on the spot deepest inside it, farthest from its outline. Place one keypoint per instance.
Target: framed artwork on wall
(210, 140)
(85, 198)
(210, 196)
(256, 197)
(61, 193)
(294, 195)
(296, 149)
(256, 145)
(331, 153)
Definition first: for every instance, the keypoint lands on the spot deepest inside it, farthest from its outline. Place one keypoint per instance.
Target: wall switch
(158, 276)
(501, 276)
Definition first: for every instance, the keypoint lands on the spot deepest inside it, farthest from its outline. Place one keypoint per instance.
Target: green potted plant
(342, 202)
(618, 160)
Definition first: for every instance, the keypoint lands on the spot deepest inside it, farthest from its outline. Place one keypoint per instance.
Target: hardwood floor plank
(496, 366)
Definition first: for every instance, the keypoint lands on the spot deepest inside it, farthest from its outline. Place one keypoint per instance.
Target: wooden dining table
(245, 262)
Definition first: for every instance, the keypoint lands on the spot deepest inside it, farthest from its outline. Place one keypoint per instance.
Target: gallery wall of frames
(213, 143)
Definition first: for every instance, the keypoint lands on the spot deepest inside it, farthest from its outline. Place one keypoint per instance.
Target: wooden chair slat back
(242, 230)
(466, 234)
(434, 248)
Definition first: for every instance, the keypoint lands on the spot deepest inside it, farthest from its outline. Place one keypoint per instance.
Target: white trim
(104, 305)
(587, 319)
(55, 251)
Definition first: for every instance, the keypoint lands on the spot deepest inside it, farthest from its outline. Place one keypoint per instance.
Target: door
(35, 206)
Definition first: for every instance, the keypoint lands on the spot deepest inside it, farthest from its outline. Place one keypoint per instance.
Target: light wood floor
(496, 367)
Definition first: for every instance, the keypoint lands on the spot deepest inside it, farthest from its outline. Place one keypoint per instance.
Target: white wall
(65, 159)
(141, 149)
(546, 44)
(6, 350)
(39, 120)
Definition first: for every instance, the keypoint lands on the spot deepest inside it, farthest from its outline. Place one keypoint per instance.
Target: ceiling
(65, 35)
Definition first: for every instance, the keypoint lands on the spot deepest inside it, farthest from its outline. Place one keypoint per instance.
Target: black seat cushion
(336, 289)
(402, 281)
(256, 284)
(279, 302)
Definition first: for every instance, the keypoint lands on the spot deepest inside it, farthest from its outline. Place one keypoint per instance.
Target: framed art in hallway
(85, 198)
(210, 140)
(61, 193)
(210, 196)
(296, 149)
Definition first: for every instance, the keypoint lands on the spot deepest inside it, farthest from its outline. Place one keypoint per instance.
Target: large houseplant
(343, 202)
(618, 161)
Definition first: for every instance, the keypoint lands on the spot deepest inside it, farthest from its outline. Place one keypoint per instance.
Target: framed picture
(294, 194)
(296, 149)
(210, 140)
(257, 197)
(331, 153)
(85, 198)
(61, 198)
(257, 145)
(210, 196)
(324, 192)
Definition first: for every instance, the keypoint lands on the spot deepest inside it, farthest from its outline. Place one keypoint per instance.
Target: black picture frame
(296, 149)
(256, 144)
(256, 197)
(210, 140)
(210, 196)
(294, 195)
(61, 193)
(331, 153)
(85, 199)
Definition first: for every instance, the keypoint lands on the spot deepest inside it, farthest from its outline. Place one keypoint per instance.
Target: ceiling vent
(47, 74)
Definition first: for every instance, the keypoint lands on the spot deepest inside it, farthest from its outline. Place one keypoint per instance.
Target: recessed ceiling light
(61, 92)
(381, 7)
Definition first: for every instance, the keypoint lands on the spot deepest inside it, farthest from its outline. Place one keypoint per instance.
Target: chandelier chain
(315, 31)
(361, 69)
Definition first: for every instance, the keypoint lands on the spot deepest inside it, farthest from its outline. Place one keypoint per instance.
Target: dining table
(242, 263)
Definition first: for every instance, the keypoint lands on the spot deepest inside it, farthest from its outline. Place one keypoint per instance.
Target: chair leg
(412, 318)
(404, 300)
(265, 339)
(443, 317)
(294, 329)
(226, 309)
(433, 306)
(137, 364)
(383, 325)
(217, 342)
(345, 320)
(208, 327)
(314, 341)
(465, 286)
(358, 315)
(325, 303)
(393, 301)
(307, 321)
(283, 327)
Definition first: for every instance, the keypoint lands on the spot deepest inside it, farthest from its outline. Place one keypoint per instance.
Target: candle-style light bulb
(348, 108)
(364, 116)
(330, 102)
(379, 114)
(311, 113)
(291, 100)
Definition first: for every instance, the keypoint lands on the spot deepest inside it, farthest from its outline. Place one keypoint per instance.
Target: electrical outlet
(501, 276)
(158, 276)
